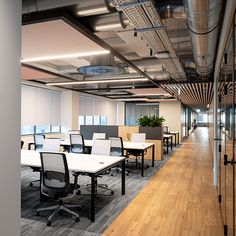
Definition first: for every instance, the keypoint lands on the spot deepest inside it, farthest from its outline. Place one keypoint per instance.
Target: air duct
(203, 18)
(108, 22)
(168, 10)
(83, 7)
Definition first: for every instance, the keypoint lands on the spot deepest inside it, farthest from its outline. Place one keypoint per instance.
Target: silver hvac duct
(167, 11)
(83, 7)
(203, 19)
(108, 22)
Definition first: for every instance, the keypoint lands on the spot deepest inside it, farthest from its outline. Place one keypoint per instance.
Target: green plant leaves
(151, 121)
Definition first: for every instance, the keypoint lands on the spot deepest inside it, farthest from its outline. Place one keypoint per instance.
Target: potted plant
(152, 126)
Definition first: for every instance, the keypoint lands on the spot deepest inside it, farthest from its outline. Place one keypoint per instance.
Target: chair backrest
(38, 141)
(99, 136)
(69, 132)
(101, 147)
(138, 137)
(165, 129)
(51, 145)
(22, 144)
(55, 174)
(117, 148)
(76, 143)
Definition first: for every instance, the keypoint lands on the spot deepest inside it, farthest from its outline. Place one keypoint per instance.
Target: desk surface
(127, 144)
(167, 135)
(76, 162)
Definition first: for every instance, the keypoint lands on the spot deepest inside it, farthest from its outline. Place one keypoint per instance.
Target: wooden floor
(180, 200)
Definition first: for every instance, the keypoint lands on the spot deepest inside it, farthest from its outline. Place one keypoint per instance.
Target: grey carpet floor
(107, 206)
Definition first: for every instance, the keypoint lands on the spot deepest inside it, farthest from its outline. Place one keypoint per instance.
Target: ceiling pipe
(203, 18)
(108, 22)
(169, 10)
(83, 7)
(228, 19)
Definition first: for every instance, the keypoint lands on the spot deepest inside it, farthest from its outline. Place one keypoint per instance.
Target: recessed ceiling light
(74, 55)
(97, 81)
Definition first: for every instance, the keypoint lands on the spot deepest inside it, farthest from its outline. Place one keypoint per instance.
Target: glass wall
(133, 111)
(226, 125)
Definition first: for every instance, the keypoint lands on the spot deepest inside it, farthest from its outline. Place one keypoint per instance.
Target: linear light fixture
(73, 55)
(87, 12)
(131, 99)
(98, 81)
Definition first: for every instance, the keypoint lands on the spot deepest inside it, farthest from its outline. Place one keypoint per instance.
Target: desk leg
(171, 142)
(92, 198)
(153, 155)
(167, 145)
(175, 139)
(178, 138)
(142, 165)
(123, 178)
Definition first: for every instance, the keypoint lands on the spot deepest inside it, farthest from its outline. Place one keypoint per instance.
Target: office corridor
(179, 200)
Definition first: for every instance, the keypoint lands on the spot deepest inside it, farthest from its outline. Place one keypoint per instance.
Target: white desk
(167, 137)
(142, 147)
(92, 165)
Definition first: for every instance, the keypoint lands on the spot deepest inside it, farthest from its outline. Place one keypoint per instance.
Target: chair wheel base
(49, 223)
(77, 219)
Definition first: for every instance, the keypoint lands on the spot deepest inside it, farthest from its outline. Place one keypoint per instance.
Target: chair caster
(49, 223)
(112, 175)
(31, 184)
(112, 192)
(127, 174)
(37, 213)
(77, 219)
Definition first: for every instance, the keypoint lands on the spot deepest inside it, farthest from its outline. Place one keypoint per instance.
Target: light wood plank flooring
(179, 200)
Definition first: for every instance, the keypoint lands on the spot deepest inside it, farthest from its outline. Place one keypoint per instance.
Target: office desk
(166, 138)
(142, 147)
(175, 133)
(92, 165)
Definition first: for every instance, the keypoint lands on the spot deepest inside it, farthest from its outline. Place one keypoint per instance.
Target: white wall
(171, 111)
(10, 41)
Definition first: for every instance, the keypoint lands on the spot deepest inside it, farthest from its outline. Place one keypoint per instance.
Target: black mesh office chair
(38, 146)
(55, 184)
(117, 149)
(77, 143)
(137, 138)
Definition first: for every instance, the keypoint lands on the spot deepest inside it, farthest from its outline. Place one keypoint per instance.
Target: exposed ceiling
(147, 39)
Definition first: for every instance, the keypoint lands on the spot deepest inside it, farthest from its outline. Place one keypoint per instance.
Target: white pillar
(10, 49)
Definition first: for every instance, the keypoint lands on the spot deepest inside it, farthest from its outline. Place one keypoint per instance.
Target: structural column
(10, 116)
